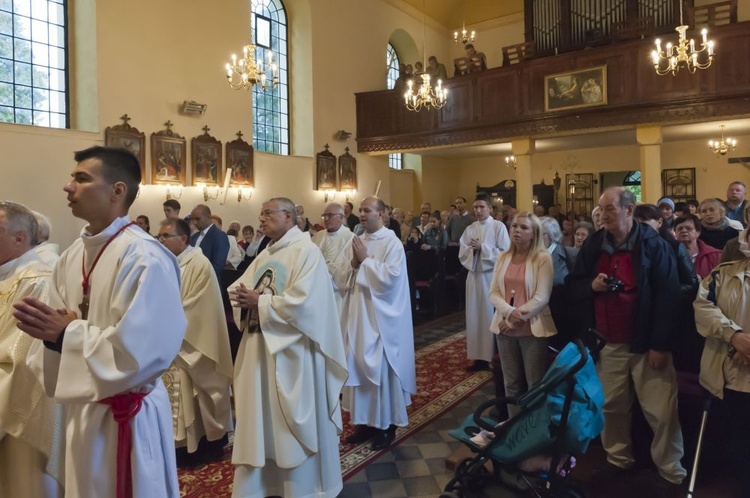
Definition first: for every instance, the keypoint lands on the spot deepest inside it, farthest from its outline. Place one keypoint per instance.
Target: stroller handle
(584, 356)
(598, 342)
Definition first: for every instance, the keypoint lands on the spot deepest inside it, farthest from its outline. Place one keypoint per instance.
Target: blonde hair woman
(520, 291)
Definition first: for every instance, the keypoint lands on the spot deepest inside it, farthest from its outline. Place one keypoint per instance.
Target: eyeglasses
(330, 215)
(268, 212)
(165, 236)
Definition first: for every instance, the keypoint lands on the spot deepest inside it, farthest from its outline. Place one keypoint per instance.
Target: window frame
(14, 62)
(271, 107)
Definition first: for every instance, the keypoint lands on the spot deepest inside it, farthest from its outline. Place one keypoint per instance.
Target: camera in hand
(614, 284)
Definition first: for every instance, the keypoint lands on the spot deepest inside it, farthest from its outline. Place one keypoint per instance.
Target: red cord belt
(124, 408)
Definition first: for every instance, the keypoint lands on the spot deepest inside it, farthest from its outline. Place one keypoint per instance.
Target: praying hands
(41, 321)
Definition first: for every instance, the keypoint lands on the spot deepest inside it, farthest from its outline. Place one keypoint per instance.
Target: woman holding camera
(520, 291)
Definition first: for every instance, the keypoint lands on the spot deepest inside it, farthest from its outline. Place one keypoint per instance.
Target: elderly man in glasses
(290, 367)
(333, 241)
(199, 378)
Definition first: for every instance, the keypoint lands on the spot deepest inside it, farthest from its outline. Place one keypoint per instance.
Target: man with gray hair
(290, 367)
(26, 414)
(48, 252)
(333, 241)
(623, 284)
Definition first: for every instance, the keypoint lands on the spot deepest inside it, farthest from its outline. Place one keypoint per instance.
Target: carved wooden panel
(461, 109)
(509, 101)
(493, 104)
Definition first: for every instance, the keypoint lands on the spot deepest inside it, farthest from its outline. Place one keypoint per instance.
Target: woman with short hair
(717, 230)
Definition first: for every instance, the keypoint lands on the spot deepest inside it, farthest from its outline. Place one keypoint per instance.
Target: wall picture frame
(206, 160)
(678, 184)
(347, 171)
(239, 157)
(130, 138)
(576, 89)
(168, 151)
(325, 170)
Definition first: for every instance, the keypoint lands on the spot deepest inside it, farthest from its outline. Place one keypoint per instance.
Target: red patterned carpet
(442, 383)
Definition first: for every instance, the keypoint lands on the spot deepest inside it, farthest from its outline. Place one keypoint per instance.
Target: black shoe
(384, 438)
(478, 366)
(363, 434)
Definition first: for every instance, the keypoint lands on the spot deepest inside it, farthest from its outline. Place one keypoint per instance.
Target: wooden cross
(125, 118)
(239, 134)
(169, 125)
(346, 150)
(326, 147)
(205, 130)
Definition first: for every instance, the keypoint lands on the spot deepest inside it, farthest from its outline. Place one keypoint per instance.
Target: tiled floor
(416, 467)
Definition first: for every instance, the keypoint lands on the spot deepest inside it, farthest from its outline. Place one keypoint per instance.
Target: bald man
(333, 241)
(212, 241)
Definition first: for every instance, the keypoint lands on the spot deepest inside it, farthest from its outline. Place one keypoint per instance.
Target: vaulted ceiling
(451, 13)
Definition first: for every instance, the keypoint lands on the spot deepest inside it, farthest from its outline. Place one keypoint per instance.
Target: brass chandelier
(684, 55)
(721, 147)
(248, 72)
(424, 96)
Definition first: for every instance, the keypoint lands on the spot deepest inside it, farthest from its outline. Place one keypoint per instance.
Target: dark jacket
(657, 285)
(689, 281)
(215, 246)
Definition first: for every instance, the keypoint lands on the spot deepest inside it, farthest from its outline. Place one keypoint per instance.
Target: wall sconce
(535, 200)
(572, 188)
(510, 161)
(174, 194)
(329, 195)
(244, 193)
(350, 194)
(207, 194)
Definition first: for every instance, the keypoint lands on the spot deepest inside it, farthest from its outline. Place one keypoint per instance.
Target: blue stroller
(559, 418)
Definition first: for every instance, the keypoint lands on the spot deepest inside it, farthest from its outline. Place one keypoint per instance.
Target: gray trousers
(524, 361)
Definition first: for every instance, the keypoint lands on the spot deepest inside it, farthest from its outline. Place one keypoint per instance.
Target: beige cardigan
(538, 281)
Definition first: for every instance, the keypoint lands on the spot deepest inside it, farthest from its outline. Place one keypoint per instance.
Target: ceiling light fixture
(683, 55)
(721, 147)
(424, 96)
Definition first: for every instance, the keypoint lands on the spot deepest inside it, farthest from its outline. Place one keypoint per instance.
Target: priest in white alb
(333, 241)
(480, 245)
(290, 367)
(377, 328)
(200, 378)
(48, 252)
(114, 325)
(27, 418)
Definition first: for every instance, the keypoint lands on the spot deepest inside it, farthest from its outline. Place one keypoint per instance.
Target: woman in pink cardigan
(687, 229)
(520, 291)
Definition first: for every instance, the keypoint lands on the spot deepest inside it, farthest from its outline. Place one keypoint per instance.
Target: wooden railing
(502, 103)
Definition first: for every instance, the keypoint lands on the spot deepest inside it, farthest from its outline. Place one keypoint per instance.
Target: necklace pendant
(84, 307)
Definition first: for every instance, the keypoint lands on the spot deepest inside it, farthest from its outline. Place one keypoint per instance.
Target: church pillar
(522, 150)
(649, 142)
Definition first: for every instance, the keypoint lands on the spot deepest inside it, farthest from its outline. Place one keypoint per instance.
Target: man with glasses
(480, 245)
(625, 284)
(290, 368)
(377, 331)
(199, 378)
(333, 241)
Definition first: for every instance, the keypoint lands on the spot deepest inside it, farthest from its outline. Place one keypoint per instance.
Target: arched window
(271, 106)
(632, 182)
(33, 63)
(392, 63)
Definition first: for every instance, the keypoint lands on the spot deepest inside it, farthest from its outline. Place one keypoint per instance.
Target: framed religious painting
(168, 150)
(325, 170)
(130, 138)
(239, 156)
(347, 171)
(576, 89)
(205, 159)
